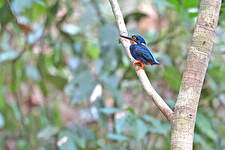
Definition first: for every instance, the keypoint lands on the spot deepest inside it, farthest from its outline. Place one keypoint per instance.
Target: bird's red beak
(126, 37)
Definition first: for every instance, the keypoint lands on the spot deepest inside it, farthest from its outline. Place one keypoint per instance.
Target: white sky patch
(62, 141)
(70, 29)
(97, 92)
(193, 10)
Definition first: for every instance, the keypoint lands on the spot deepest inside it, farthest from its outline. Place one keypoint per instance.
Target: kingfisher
(140, 52)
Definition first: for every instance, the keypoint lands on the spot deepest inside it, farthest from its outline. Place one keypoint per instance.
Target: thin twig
(164, 108)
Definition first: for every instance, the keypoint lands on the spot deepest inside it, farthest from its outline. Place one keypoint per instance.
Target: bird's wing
(146, 53)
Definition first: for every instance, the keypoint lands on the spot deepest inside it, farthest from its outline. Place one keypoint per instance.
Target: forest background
(66, 82)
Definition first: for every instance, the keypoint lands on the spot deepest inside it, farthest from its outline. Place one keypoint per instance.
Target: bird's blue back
(143, 53)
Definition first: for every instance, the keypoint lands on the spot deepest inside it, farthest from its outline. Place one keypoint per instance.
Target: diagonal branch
(160, 103)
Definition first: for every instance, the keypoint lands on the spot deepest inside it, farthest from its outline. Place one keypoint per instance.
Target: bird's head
(135, 39)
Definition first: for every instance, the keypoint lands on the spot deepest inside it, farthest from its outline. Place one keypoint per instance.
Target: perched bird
(140, 51)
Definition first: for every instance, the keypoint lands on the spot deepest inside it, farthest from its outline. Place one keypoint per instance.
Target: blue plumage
(140, 51)
(139, 39)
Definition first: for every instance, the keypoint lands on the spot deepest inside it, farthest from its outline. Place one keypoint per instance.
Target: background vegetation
(66, 82)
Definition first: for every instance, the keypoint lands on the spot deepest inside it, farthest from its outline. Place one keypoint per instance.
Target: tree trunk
(183, 119)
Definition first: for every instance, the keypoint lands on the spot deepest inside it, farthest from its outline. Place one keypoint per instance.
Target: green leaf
(57, 115)
(134, 15)
(199, 139)
(151, 119)
(109, 110)
(89, 16)
(66, 141)
(51, 12)
(92, 51)
(190, 4)
(1, 3)
(175, 4)
(85, 132)
(157, 126)
(111, 55)
(33, 73)
(18, 73)
(111, 83)
(173, 77)
(141, 129)
(221, 129)
(6, 15)
(108, 37)
(204, 125)
(217, 73)
(61, 81)
(38, 10)
(117, 137)
(194, 14)
(130, 110)
(19, 6)
(8, 55)
(23, 144)
(81, 86)
(47, 132)
(54, 8)
(80, 141)
(125, 123)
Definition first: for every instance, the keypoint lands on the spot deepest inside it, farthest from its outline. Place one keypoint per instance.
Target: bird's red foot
(137, 62)
(140, 69)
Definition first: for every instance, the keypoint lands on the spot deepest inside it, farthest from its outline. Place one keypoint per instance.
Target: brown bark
(183, 119)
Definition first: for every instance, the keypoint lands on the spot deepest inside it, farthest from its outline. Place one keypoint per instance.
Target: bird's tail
(156, 62)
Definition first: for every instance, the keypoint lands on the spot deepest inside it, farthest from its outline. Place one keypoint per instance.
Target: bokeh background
(67, 84)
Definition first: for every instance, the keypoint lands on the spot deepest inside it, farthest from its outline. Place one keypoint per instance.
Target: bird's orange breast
(133, 42)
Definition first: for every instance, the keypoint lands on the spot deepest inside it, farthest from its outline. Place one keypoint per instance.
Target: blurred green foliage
(55, 55)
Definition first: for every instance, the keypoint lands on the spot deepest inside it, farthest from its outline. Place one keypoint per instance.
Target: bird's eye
(133, 37)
